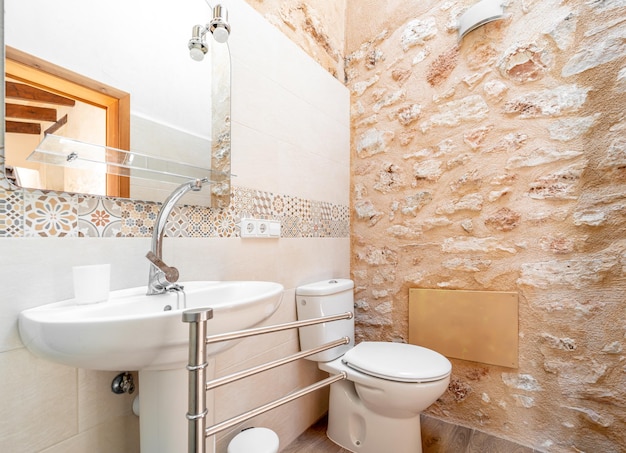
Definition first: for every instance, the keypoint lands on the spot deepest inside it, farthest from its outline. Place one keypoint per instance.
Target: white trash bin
(254, 440)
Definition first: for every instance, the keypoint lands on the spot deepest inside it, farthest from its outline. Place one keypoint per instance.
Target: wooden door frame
(116, 103)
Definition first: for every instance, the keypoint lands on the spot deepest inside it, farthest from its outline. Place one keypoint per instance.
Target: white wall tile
(290, 117)
(39, 400)
(119, 435)
(258, 44)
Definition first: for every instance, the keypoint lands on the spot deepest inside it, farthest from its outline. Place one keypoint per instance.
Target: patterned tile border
(48, 214)
(99, 217)
(36, 213)
(11, 213)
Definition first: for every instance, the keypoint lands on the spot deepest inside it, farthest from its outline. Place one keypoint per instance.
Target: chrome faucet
(162, 277)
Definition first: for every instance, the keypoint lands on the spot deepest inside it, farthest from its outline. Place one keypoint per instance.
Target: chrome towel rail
(197, 410)
(268, 366)
(276, 328)
(211, 430)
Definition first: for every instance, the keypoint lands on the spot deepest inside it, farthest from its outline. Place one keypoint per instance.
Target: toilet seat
(398, 362)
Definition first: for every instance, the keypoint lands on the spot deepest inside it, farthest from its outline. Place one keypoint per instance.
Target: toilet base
(354, 427)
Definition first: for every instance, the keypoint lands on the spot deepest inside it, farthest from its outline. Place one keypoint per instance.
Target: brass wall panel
(481, 326)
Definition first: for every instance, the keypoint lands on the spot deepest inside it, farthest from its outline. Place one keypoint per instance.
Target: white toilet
(377, 408)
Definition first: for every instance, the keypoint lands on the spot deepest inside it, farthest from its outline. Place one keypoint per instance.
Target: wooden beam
(18, 127)
(28, 112)
(24, 92)
(23, 67)
(56, 126)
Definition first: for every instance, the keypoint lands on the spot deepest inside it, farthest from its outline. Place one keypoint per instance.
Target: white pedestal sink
(132, 331)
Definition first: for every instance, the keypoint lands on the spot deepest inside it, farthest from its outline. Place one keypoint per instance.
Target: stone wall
(498, 163)
(317, 26)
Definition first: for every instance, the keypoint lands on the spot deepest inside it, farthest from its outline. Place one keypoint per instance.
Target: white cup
(91, 283)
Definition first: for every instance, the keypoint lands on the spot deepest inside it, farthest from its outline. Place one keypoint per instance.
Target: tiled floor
(314, 440)
(437, 437)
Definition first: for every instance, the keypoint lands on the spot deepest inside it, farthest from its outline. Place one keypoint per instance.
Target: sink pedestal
(162, 408)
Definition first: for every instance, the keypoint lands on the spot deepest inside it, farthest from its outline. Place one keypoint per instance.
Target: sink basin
(132, 331)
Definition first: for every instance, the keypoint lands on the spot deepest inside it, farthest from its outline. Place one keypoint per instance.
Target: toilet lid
(398, 361)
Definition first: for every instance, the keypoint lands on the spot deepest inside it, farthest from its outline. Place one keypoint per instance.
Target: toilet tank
(325, 298)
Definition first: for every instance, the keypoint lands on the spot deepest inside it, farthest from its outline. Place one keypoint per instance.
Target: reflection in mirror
(220, 128)
(179, 110)
(43, 99)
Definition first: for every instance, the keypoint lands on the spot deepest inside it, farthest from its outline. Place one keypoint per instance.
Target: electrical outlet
(248, 228)
(263, 229)
(259, 228)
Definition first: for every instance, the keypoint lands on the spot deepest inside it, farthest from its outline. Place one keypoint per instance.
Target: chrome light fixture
(218, 27)
(197, 44)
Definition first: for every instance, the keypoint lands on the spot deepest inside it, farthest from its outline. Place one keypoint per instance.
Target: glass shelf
(69, 153)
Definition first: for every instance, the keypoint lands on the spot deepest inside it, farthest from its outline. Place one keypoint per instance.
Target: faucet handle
(170, 273)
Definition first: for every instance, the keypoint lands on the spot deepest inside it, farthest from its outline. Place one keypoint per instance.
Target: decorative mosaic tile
(11, 213)
(225, 224)
(262, 204)
(99, 217)
(316, 210)
(327, 210)
(279, 206)
(178, 223)
(290, 227)
(50, 214)
(38, 213)
(201, 222)
(306, 229)
(307, 210)
(293, 207)
(316, 230)
(138, 218)
(344, 214)
(243, 201)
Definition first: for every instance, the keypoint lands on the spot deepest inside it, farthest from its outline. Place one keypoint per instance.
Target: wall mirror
(147, 96)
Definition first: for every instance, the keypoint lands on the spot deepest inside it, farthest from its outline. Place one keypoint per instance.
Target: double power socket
(259, 228)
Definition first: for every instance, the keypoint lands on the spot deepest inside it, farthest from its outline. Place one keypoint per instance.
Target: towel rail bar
(214, 429)
(276, 328)
(196, 407)
(276, 363)
(198, 339)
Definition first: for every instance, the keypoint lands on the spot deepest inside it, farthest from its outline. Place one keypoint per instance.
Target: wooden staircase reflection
(36, 87)
(35, 110)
